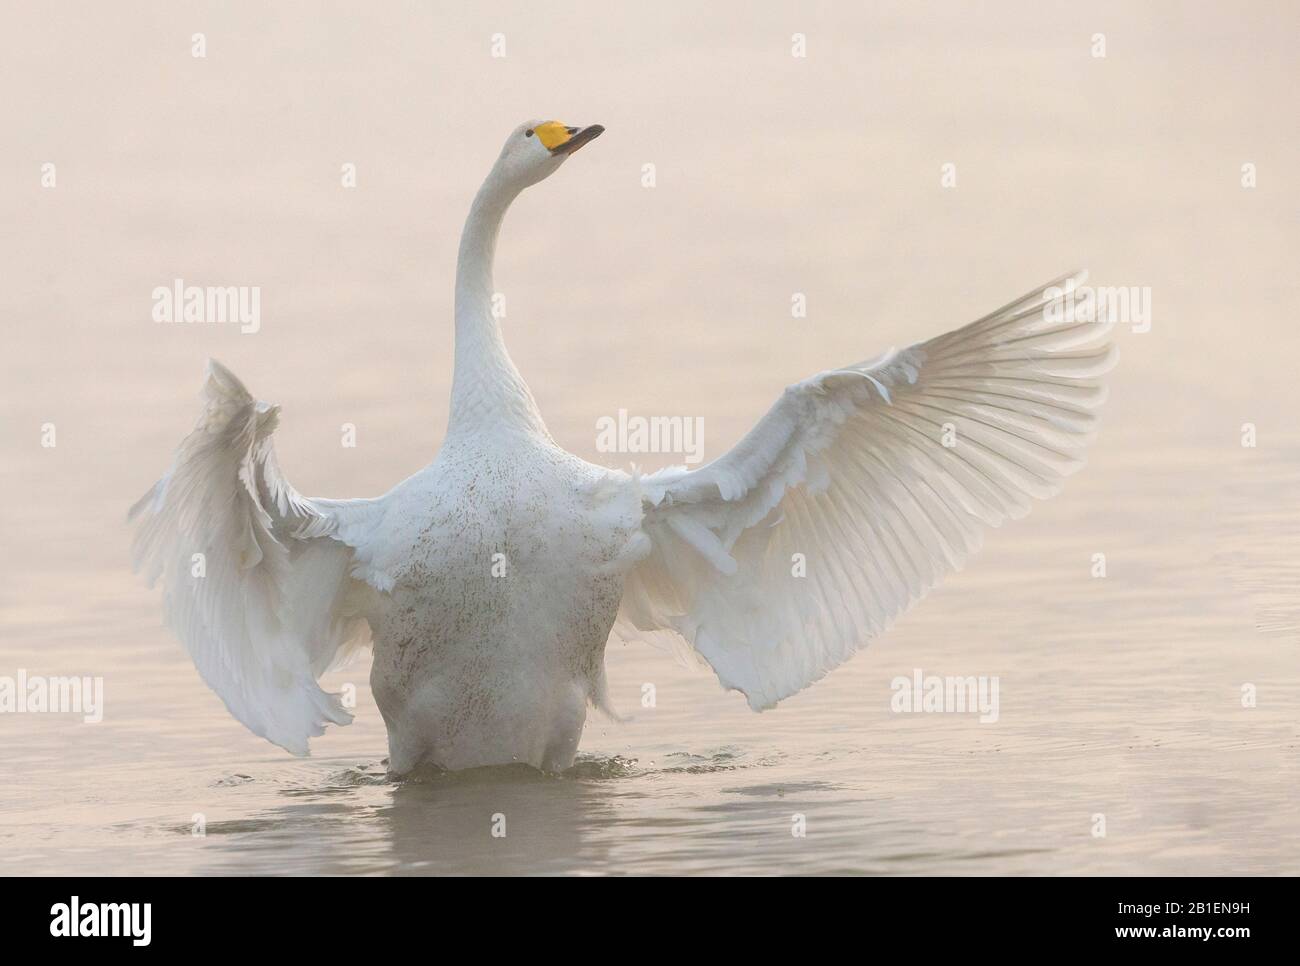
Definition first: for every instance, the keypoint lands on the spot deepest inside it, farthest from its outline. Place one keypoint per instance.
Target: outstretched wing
(879, 479)
(257, 578)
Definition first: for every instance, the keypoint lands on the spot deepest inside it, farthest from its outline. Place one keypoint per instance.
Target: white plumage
(850, 469)
(491, 579)
(258, 584)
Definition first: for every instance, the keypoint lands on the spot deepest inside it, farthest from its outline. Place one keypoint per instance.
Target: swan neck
(487, 389)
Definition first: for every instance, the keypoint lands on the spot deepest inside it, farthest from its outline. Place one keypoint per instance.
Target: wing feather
(851, 469)
(258, 578)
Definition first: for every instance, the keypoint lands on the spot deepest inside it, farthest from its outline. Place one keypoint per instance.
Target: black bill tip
(583, 135)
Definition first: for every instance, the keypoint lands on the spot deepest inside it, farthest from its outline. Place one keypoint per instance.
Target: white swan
(491, 579)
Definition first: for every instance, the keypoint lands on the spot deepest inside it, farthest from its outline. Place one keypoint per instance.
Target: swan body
(489, 582)
(504, 595)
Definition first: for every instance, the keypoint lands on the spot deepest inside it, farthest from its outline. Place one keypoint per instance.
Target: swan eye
(528, 133)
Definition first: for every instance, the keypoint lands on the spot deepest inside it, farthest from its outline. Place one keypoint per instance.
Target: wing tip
(221, 383)
(149, 498)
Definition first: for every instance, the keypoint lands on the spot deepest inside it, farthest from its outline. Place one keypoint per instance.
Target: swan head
(536, 149)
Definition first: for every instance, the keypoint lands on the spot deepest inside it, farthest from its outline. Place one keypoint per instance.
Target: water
(1121, 697)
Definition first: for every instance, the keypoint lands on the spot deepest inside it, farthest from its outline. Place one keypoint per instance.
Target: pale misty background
(1120, 696)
